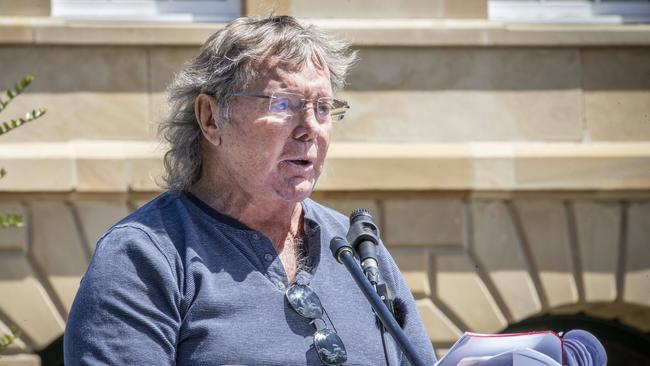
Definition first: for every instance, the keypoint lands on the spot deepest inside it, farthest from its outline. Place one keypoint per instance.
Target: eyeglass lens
(328, 344)
(288, 104)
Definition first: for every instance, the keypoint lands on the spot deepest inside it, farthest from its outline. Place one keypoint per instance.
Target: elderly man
(231, 264)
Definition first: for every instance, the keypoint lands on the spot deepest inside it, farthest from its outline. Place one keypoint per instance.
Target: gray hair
(226, 64)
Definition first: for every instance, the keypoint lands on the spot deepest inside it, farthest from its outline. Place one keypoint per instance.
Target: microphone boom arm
(343, 253)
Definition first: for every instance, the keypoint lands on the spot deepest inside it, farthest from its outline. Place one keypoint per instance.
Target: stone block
(361, 9)
(37, 167)
(414, 266)
(101, 175)
(617, 93)
(98, 216)
(498, 247)
(493, 166)
(460, 288)
(90, 92)
(13, 238)
(101, 166)
(263, 8)
(29, 307)
(145, 169)
(57, 248)
(637, 259)
(25, 8)
(598, 226)
(483, 95)
(460, 115)
(354, 167)
(164, 63)
(613, 115)
(15, 30)
(53, 31)
(582, 166)
(476, 9)
(20, 360)
(347, 205)
(545, 225)
(439, 328)
(424, 222)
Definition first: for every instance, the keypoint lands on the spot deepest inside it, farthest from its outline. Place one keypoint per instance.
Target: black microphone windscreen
(401, 312)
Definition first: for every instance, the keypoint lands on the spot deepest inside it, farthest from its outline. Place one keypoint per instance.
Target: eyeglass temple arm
(254, 95)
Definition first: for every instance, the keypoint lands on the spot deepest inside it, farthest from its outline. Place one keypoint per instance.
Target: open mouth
(300, 162)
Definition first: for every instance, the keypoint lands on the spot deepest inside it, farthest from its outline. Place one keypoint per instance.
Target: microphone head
(360, 214)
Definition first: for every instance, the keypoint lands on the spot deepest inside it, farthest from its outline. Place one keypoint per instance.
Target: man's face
(270, 157)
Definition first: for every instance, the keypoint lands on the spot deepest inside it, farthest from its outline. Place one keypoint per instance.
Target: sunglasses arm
(344, 254)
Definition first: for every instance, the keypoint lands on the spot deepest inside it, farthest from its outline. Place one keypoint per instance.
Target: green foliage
(11, 94)
(7, 339)
(11, 220)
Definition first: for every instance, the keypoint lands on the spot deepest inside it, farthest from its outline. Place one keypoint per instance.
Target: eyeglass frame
(334, 117)
(312, 321)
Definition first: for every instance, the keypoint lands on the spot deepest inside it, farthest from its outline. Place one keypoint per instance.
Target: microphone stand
(343, 253)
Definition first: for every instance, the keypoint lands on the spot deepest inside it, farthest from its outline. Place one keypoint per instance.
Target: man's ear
(206, 111)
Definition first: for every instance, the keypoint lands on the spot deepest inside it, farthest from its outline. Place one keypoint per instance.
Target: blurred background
(503, 147)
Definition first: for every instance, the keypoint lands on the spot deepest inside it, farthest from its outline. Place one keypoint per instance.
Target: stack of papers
(518, 349)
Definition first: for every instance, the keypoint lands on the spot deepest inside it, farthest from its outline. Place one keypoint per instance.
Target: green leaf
(17, 89)
(26, 81)
(3, 172)
(7, 339)
(11, 220)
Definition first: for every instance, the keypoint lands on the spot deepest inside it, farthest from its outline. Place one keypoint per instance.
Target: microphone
(364, 238)
(581, 348)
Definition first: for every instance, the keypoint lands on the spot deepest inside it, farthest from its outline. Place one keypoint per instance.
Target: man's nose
(308, 125)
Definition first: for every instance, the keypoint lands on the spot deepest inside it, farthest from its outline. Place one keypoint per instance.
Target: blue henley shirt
(178, 283)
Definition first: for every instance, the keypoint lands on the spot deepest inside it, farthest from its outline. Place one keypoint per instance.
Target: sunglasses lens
(305, 301)
(330, 348)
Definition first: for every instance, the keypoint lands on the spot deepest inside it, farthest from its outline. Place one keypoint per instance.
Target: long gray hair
(226, 65)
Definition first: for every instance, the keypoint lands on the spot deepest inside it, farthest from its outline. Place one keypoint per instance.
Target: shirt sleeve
(126, 309)
(413, 327)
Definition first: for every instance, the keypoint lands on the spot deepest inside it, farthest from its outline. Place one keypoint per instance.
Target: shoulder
(144, 231)
(150, 215)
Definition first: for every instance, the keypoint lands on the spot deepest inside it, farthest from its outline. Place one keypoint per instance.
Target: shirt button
(268, 257)
(281, 285)
(256, 237)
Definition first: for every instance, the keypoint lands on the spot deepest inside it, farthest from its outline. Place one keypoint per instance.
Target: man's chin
(297, 190)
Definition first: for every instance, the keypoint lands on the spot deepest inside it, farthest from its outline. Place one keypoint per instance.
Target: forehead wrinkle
(275, 69)
(309, 85)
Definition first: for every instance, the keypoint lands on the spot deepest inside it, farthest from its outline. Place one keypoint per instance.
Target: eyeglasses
(285, 105)
(328, 344)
